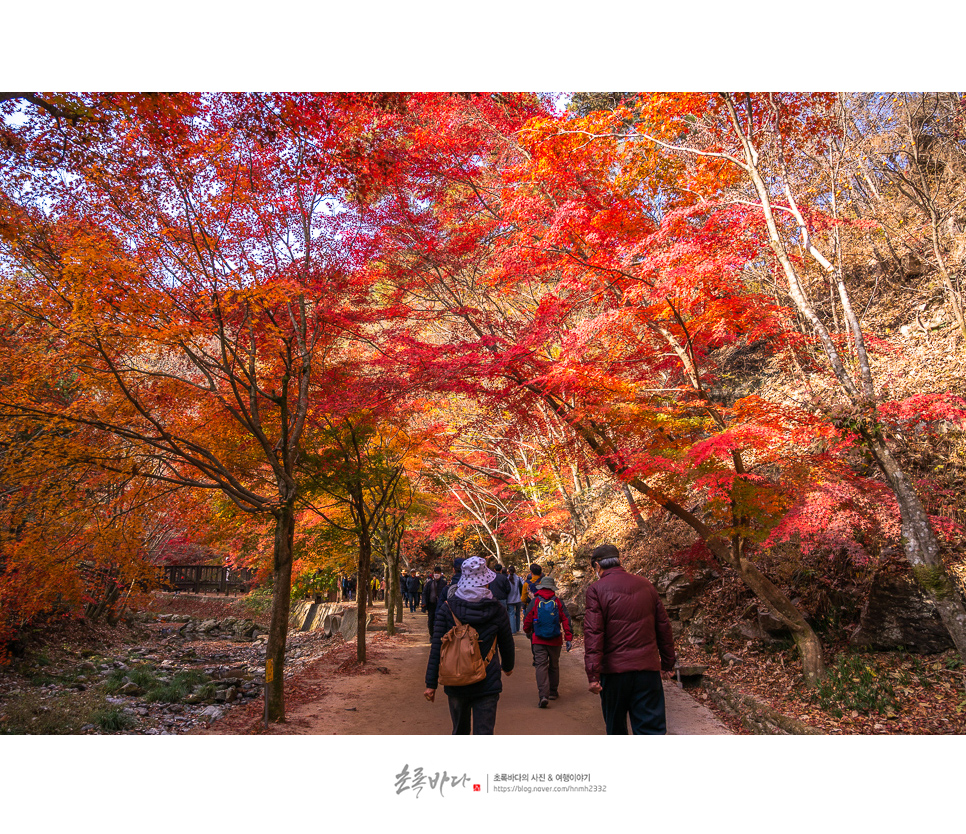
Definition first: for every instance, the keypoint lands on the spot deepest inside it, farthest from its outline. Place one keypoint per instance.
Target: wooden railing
(206, 579)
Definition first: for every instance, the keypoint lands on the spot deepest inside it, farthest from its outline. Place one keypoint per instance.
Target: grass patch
(855, 684)
(176, 689)
(114, 681)
(170, 690)
(207, 691)
(144, 676)
(64, 714)
(113, 720)
(41, 679)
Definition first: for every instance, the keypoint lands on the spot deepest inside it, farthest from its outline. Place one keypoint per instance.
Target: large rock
(911, 265)
(678, 587)
(243, 629)
(770, 623)
(210, 714)
(575, 605)
(897, 613)
(747, 631)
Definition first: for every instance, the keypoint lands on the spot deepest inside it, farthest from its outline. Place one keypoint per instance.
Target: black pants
(635, 695)
(431, 611)
(482, 710)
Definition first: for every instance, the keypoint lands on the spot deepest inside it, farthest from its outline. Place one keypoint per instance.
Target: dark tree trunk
(365, 559)
(635, 510)
(397, 599)
(281, 604)
(393, 592)
(390, 597)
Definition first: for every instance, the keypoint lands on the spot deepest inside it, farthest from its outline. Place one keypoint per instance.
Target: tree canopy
(332, 321)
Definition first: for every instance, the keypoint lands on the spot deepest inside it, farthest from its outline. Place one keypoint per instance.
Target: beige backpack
(460, 660)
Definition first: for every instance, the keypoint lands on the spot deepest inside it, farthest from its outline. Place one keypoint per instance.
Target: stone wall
(305, 615)
(756, 717)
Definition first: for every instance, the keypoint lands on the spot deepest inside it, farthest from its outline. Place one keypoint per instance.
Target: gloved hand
(569, 644)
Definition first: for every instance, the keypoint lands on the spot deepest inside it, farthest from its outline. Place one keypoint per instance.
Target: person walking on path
(500, 586)
(457, 573)
(627, 645)
(513, 598)
(473, 705)
(415, 591)
(547, 624)
(404, 587)
(434, 591)
(530, 584)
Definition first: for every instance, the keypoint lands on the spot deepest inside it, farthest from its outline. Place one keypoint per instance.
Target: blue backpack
(546, 623)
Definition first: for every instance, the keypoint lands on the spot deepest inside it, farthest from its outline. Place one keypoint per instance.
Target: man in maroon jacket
(627, 644)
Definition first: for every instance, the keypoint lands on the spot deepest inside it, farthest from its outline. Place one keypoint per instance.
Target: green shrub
(41, 679)
(854, 684)
(143, 676)
(168, 693)
(176, 689)
(113, 720)
(190, 679)
(114, 681)
(207, 692)
(258, 602)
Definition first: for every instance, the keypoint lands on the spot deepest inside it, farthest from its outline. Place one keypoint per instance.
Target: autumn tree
(609, 287)
(762, 137)
(194, 279)
(504, 480)
(359, 486)
(75, 538)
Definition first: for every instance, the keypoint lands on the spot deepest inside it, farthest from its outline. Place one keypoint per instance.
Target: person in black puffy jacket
(434, 592)
(471, 601)
(415, 591)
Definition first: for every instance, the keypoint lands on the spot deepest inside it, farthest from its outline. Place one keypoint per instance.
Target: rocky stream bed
(167, 674)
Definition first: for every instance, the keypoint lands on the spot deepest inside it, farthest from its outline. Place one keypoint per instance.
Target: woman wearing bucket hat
(471, 602)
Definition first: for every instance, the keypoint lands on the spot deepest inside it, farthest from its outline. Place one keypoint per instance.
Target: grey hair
(605, 556)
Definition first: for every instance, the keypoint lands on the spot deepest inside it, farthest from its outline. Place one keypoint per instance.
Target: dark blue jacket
(500, 587)
(489, 619)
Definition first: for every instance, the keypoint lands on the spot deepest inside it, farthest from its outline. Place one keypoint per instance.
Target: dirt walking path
(385, 697)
